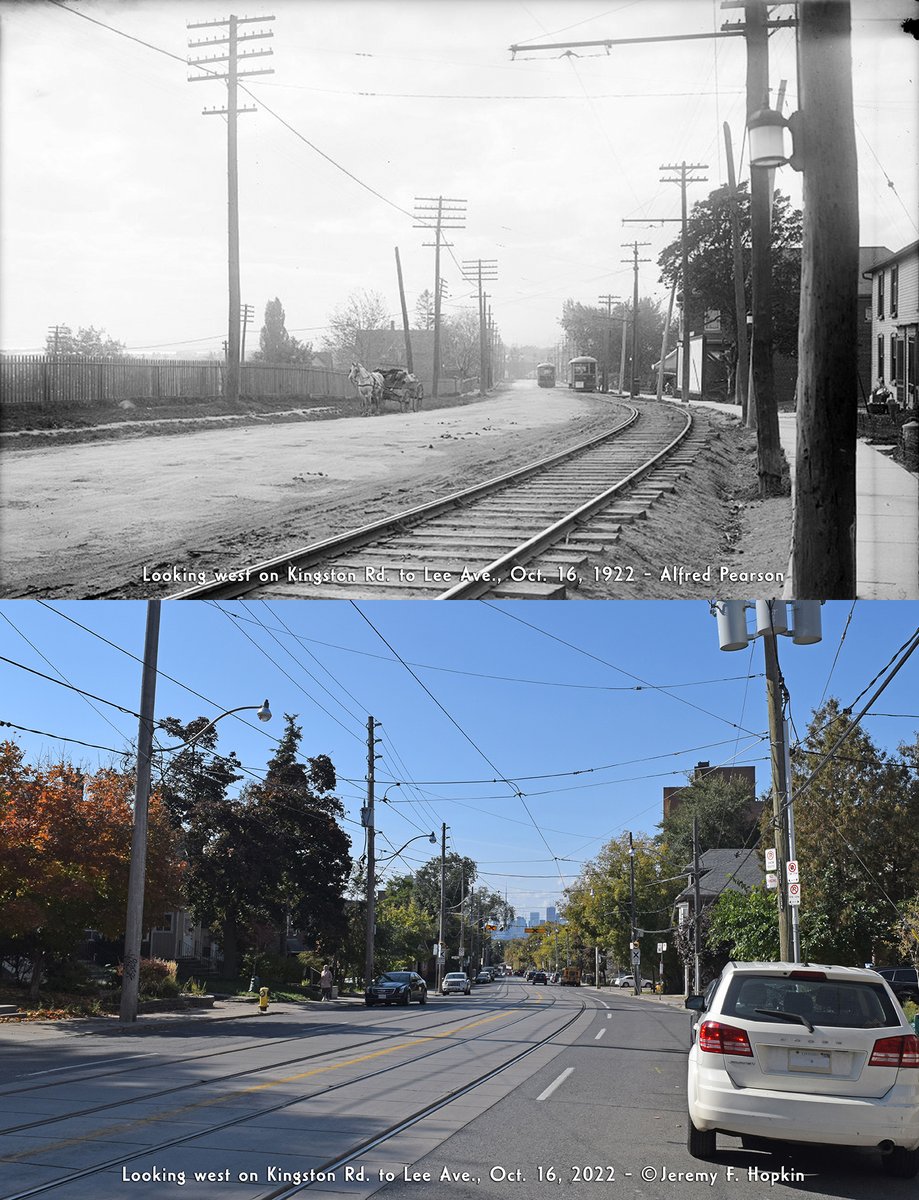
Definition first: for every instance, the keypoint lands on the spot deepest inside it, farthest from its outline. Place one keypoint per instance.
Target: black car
(904, 982)
(539, 977)
(396, 987)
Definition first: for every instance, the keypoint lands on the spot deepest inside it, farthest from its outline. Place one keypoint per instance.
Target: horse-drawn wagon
(403, 388)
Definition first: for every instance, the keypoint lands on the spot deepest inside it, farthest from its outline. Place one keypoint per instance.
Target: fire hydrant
(263, 1000)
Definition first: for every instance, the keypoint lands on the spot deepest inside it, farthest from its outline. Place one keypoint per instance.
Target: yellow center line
(257, 1087)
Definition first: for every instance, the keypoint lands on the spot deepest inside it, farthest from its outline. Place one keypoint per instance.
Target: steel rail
(429, 1109)
(488, 579)
(85, 1172)
(354, 539)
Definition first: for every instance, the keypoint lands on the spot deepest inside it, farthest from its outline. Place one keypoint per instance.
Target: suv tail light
(717, 1038)
(896, 1052)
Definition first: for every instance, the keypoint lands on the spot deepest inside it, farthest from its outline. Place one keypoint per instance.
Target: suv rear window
(839, 1003)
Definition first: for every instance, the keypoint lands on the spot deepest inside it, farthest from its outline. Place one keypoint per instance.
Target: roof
(726, 870)
(891, 258)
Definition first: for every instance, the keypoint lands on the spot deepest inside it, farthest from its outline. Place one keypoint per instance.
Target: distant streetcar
(545, 375)
(582, 373)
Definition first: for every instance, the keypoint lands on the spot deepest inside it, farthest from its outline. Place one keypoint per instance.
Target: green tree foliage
(274, 855)
(595, 333)
(405, 934)
(275, 344)
(857, 830)
(711, 265)
(597, 906)
(726, 818)
(85, 343)
(744, 926)
(363, 310)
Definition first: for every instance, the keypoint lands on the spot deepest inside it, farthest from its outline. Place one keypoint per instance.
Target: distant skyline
(113, 189)
(536, 732)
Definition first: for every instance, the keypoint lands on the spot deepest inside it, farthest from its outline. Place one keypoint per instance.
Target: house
(867, 257)
(720, 871)
(895, 321)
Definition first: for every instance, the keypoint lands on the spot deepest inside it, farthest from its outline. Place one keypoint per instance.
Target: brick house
(895, 322)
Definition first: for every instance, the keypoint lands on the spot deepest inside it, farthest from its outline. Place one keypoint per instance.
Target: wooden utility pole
(408, 337)
(779, 785)
(682, 180)
(824, 535)
(232, 75)
(742, 366)
(247, 312)
(607, 366)
(625, 323)
(664, 340)
(635, 260)
(447, 212)
(479, 271)
(769, 453)
(367, 822)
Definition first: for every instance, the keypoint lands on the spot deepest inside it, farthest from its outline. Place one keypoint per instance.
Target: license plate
(809, 1060)
(579, 384)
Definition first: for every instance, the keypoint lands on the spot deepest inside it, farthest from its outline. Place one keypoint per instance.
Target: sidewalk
(887, 516)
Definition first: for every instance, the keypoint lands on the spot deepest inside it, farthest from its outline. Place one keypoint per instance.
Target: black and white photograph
(416, 299)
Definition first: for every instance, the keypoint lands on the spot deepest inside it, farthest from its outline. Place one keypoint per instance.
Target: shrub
(157, 977)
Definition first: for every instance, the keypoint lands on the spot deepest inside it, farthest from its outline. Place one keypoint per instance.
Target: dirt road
(80, 521)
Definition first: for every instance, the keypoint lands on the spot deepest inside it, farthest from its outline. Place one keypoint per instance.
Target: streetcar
(582, 373)
(545, 374)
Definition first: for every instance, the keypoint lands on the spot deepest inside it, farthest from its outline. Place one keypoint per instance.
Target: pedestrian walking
(325, 983)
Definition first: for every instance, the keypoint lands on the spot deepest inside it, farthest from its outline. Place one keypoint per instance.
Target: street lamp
(371, 892)
(767, 139)
(134, 919)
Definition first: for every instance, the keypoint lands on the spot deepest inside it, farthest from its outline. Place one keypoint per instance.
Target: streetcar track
(280, 1106)
(194, 1060)
(481, 540)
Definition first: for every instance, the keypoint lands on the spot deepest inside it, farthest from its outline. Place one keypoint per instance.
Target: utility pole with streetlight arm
(133, 936)
(771, 622)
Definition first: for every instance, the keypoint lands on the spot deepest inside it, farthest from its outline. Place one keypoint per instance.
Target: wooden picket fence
(57, 380)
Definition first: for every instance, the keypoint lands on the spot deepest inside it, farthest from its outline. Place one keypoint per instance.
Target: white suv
(804, 1053)
(456, 981)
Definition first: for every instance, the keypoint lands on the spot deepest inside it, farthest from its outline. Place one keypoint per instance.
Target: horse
(369, 386)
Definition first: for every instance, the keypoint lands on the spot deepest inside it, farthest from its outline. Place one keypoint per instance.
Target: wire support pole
(633, 373)
(367, 817)
(447, 213)
(682, 179)
(479, 271)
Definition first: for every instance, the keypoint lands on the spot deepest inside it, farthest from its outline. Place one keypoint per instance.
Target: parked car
(539, 977)
(396, 987)
(904, 982)
(628, 981)
(456, 981)
(483, 977)
(813, 1054)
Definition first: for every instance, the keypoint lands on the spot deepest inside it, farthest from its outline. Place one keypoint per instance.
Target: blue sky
(641, 690)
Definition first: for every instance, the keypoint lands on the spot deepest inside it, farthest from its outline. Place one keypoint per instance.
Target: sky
(113, 185)
(588, 710)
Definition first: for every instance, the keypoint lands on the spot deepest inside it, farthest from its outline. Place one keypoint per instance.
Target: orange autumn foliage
(65, 851)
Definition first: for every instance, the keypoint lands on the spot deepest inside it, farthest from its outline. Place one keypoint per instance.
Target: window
(893, 357)
(165, 926)
(894, 289)
(880, 357)
(880, 295)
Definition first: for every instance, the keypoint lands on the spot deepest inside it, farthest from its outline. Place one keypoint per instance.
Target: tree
(857, 834)
(460, 334)
(593, 332)
(348, 323)
(744, 925)
(65, 849)
(275, 344)
(725, 811)
(275, 855)
(424, 310)
(711, 266)
(85, 343)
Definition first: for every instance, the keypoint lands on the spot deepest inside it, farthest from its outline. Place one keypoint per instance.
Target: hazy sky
(113, 201)
(588, 709)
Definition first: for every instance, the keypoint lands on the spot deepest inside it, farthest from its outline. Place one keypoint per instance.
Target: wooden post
(664, 339)
(742, 366)
(769, 453)
(408, 337)
(232, 392)
(824, 537)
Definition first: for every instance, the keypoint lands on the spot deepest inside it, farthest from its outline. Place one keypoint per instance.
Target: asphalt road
(397, 1102)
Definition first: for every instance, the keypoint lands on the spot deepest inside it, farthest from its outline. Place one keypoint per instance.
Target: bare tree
(362, 311)
(461, 343)
(424, 310)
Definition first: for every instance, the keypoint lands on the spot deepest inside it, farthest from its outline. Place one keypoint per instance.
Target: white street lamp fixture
(767, 139)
